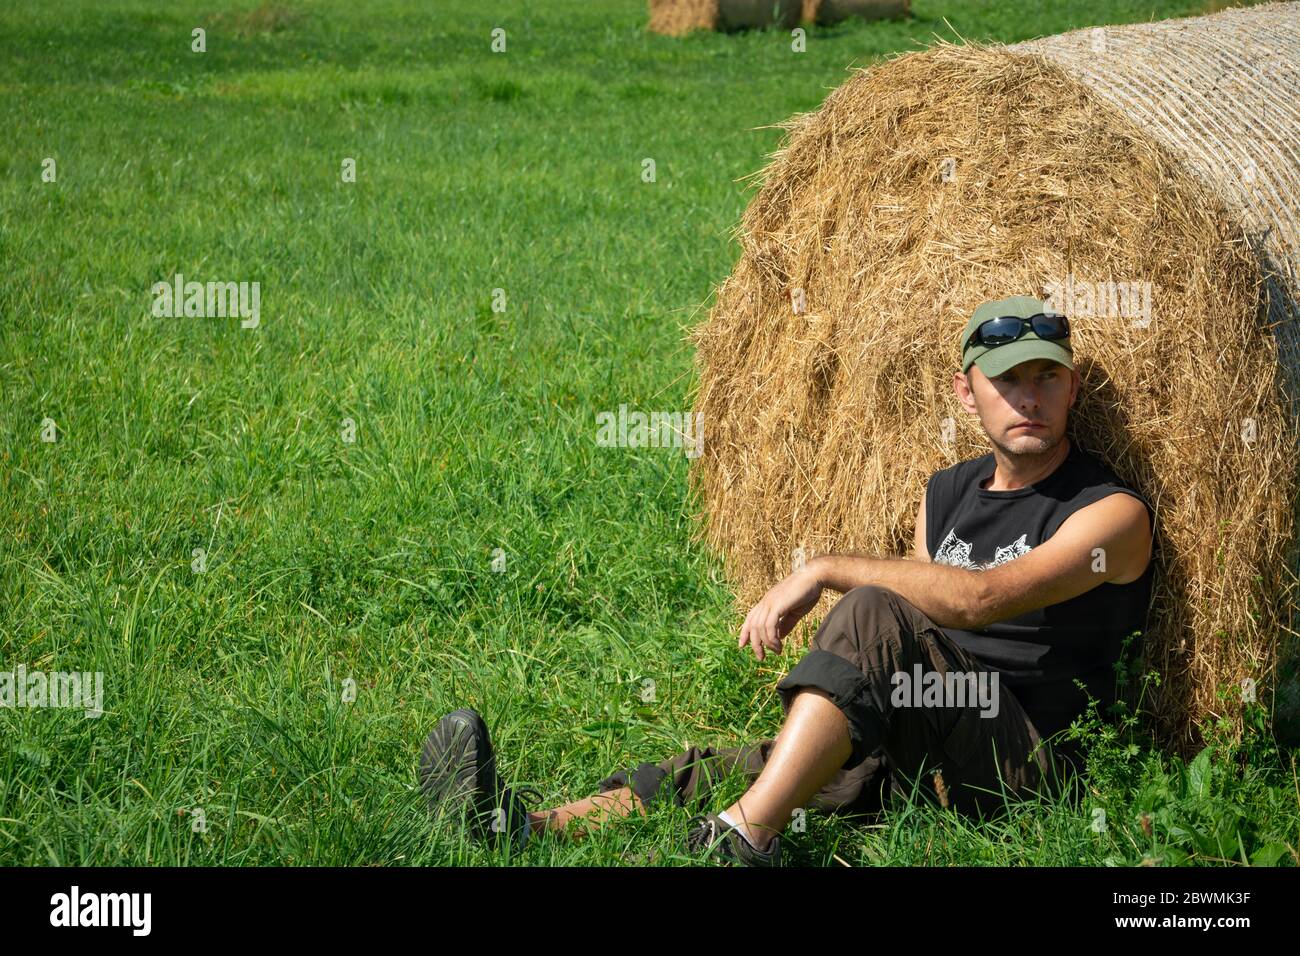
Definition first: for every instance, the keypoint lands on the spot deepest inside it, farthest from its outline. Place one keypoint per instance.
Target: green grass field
(327, 563)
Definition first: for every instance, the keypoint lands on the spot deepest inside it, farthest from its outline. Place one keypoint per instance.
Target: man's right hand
(780, 609)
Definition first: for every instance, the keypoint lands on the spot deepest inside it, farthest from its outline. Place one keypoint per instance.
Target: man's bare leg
(613, 803)
(811, 748)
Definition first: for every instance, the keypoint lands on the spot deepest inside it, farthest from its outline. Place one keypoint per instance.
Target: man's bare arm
(949, 596)
(1108, 539)
(946, 594)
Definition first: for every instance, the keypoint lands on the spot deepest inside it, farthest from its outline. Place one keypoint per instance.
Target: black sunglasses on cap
(1007, 328)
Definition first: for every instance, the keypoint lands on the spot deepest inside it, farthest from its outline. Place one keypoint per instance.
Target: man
(1031, 565)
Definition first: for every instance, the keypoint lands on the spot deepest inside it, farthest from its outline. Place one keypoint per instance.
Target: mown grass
(328, 561)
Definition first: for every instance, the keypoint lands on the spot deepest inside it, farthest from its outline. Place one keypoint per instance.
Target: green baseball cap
(994, 361)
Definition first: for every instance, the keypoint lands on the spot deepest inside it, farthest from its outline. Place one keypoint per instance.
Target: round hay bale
(676, 17)
(827, 12)
(943, 178)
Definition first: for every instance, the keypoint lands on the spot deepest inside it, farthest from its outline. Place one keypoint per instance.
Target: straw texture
(1161, 156)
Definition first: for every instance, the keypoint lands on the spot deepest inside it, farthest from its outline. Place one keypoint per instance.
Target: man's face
(1039, 391)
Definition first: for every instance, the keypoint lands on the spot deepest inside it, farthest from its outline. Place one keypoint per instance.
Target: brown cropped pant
(955, 749)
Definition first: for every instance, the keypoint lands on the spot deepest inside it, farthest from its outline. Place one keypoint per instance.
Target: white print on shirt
(956, 552)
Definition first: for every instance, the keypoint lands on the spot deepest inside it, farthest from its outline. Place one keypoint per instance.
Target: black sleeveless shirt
(1038, 654)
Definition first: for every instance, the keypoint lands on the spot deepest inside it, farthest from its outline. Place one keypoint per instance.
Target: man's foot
(458, 769)
(709, 836)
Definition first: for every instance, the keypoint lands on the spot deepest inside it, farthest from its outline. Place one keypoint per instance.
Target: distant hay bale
(1162, 153)
(676, 17)
(834, 11)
